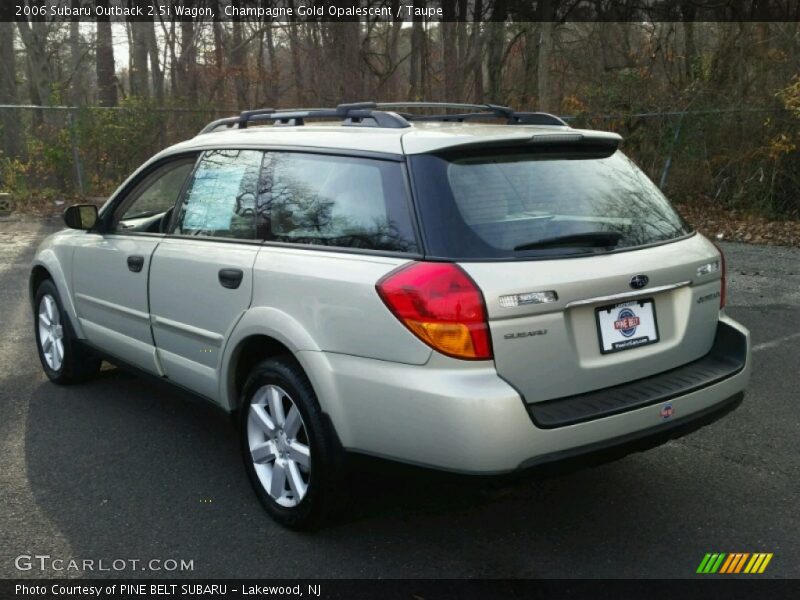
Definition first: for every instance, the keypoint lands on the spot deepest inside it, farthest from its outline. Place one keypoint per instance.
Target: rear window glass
(518, 205)
(339, 201)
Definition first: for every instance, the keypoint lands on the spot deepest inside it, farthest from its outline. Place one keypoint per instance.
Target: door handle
(135, 263)
(230, 278)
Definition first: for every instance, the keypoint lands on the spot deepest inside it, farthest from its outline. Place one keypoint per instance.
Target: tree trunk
(294, 47)
(8, 91)
(187, 74)
(448, 32)
(34, 37)
(139, 74)
(238, 65)
(477, 50)
(77, 77)
(545, 88)
(274, 74)
(104, 64)
(529, 65)
(688, 12)
(416, 78)
(496, 29)
(393, 51)
(219, 55)
(155, 63)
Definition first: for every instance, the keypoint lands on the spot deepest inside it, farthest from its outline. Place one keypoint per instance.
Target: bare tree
(139, 51)
(186, 69)
(76, 79)
(155, 63)
(238, 64)
(417, 83)
(545, 89)
(40, 78)
(104, 62)
(8, 90)
(496, 38)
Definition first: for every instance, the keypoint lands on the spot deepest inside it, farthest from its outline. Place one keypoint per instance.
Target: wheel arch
(47, 266)
(261, 333)
(38, 274)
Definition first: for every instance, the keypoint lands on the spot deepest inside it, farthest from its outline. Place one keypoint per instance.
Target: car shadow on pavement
(124, 467)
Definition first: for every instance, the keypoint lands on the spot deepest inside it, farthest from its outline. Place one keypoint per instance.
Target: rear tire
(63, 358)
(291, 453)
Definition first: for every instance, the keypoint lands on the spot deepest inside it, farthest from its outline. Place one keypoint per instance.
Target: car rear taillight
(442, 306)
(723, 282)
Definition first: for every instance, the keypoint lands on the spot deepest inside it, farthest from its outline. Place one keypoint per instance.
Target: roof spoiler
(594, 144)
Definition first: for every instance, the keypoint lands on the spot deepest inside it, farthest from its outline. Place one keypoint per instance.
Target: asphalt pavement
(122, 469)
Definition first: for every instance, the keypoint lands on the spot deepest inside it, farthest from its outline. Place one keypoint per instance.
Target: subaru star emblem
(639, 281)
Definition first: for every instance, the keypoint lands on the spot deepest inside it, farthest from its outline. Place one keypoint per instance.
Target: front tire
(290, 450)
(63, 359)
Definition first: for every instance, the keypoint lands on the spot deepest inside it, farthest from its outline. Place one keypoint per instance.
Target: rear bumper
(728, 356)
(638, 441)
(463, 417)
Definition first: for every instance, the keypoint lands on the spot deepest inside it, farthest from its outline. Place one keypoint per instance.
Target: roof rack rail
(358, 114)
(371, 114)
(487, 111)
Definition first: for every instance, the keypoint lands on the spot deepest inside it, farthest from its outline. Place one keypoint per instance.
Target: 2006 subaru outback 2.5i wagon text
(440, 289)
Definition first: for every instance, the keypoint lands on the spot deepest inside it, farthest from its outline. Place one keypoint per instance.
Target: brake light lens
(442, 306)
(723, 282)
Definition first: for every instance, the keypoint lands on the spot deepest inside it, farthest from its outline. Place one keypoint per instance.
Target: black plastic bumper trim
(725, 359)
(637, 441)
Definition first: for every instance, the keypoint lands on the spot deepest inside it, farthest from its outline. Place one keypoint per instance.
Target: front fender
(52, 258)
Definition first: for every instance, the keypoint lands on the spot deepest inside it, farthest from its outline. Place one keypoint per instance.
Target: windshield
(520, 205)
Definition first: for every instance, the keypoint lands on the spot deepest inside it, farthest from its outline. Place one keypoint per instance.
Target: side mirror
(81, 216)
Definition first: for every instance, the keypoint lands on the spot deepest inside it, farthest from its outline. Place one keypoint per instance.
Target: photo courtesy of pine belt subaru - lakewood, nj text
(462, 287)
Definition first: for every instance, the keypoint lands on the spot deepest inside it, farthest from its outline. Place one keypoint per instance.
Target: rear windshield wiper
(572, 240)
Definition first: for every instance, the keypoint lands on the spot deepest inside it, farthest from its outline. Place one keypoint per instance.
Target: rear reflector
(723, 293)
(442, 306)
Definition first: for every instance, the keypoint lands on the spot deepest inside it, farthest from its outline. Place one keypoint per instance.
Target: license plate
(627, 325)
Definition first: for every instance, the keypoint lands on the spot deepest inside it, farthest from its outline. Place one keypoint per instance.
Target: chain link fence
(738, 158)
(85, 151)
(743, 158)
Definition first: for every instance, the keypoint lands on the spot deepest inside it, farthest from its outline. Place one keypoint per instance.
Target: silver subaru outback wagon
(478, 291)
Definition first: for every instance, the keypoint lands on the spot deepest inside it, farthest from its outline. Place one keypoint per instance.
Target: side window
(335, 201)
(154, 196)
(220, 200)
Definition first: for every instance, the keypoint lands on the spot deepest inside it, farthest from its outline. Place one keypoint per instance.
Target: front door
(110, 269)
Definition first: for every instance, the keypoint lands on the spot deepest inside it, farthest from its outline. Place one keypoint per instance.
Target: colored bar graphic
(734, 563)
(753, 560)
(727, 564)
(718, 563)
(765, 563)
(740, 564)
(703, 563)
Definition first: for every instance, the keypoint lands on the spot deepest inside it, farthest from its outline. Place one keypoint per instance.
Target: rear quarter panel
(332, 296)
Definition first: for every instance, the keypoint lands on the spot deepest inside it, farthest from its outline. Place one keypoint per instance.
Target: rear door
(201, 277)
(589, 276)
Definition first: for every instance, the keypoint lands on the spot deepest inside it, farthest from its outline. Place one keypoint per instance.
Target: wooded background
(709, 109)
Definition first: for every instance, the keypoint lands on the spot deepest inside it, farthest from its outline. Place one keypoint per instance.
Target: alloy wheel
(51, 332)
(279, 445)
